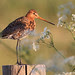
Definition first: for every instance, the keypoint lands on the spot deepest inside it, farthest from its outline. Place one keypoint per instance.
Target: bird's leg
(17, 53)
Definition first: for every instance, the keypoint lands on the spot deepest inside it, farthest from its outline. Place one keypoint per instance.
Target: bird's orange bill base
(45, 20)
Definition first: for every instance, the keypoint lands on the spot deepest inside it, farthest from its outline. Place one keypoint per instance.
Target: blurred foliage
(12, 9)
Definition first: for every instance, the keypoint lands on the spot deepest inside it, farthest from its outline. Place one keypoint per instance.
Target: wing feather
(14, 29)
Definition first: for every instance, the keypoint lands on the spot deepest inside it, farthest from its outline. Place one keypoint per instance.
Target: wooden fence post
(24, 69)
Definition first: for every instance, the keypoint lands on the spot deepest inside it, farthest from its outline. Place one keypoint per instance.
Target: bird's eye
(34, 13)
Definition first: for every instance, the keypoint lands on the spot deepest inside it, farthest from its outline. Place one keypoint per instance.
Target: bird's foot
(19, 63)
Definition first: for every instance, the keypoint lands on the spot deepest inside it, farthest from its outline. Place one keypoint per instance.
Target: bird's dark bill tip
(51, 23)
(45, 20)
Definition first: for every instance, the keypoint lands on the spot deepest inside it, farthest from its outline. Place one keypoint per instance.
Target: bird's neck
(29, 17)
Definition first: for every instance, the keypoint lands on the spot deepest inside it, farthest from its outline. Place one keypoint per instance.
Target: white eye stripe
(35, 14)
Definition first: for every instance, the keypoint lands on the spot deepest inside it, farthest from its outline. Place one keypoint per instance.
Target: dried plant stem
(59, 52)
(54, 49)
(71, 33)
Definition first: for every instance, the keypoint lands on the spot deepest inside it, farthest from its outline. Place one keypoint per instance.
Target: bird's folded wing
(15, 28)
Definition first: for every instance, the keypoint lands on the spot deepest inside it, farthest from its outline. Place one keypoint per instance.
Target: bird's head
(32, 14)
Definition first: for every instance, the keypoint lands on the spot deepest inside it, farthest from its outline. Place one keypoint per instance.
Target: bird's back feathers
(18, 28)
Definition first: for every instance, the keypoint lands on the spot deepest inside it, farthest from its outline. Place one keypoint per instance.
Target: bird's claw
(19, 63)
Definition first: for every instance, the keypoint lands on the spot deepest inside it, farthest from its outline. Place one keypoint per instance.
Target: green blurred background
(48, 9)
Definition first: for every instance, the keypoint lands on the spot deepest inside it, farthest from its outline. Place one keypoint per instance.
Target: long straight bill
(46, 20)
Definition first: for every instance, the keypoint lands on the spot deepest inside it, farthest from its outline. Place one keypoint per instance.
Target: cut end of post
(39, 69)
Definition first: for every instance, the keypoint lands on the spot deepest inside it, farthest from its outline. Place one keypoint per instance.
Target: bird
(20, 28)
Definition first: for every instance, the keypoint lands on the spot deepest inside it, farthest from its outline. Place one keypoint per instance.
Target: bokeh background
(48, 9)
